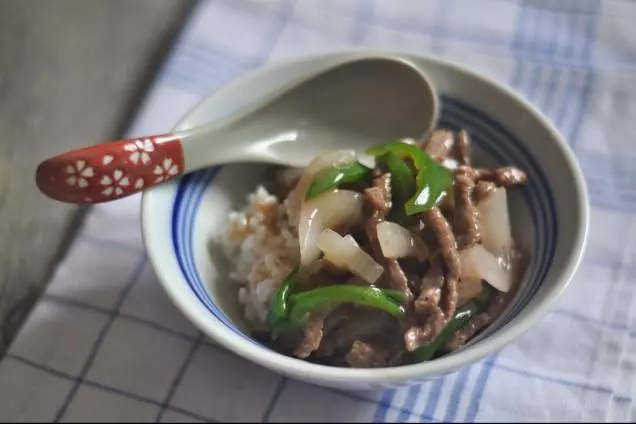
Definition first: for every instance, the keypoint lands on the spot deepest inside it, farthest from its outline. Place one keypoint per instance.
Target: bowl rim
(291, 366)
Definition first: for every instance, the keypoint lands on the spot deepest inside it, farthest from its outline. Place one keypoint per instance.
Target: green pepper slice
(432, 180)
(279, 308)
(397, 295)
(402, 178)
(314, 300)
(334, 177)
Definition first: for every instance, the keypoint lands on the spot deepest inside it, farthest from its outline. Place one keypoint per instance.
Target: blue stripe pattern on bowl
(487, 133)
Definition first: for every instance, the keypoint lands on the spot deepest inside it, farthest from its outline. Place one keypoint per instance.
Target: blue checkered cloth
(105, 344)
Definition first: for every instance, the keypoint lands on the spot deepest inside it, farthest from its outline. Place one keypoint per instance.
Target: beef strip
(465, 217)
(430, 287)
(485, 180)
(447, 206)
(463, 147)
(507, 176)
(338, 316)
(437, 300)
(472, 173)
(423, 332)
(483, 190)
(428, 319)
(479, 321)
(378, 197)
(448, 302)
(397, 277)
(355, 323)
(313, 335)
(439, 145)
(448, 246)
(367, 355)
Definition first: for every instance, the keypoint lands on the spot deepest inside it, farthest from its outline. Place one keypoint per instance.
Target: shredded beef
(313, 336)
(448, 246)
(463, 147)
(378, 198)
(379, 195)
(439, 145)
(466, 217)
(428, 317)
(508, 176)
(367, 355)
(359, 323)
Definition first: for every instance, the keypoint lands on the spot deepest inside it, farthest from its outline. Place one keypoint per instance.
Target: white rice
(262, 248)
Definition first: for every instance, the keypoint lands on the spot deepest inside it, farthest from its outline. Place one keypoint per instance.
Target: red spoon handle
(112, 170)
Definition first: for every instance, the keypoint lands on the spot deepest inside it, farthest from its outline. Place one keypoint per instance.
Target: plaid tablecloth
(105, 344)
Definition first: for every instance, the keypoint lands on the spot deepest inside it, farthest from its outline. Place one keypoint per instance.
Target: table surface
(71, 74)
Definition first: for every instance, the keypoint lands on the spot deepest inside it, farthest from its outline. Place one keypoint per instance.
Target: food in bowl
(398, 255)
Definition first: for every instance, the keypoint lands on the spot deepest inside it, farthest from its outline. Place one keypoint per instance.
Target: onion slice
(366, 160)
(398, 242)
(333, 209)
(495, 223)
(344, 253)
(296, 197)
(478, 263)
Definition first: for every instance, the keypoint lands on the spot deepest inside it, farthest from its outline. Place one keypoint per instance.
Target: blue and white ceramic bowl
(549, 217)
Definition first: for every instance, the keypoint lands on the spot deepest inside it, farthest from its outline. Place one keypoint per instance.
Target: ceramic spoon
(353, 104)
